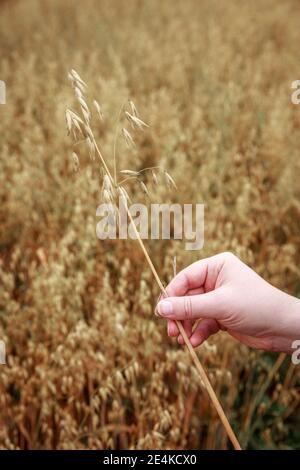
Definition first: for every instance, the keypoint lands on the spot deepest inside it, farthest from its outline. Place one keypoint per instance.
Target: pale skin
(223, 293)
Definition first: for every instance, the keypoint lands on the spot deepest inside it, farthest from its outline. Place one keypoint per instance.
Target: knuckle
(229, 256)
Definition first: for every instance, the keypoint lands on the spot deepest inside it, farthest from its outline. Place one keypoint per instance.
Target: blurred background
(88, 364)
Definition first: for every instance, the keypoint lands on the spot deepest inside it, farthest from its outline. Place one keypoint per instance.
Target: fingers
(204, 330)
(203, 273)
(199, 290)
(207, 305)
(172, 329)
(189, 278)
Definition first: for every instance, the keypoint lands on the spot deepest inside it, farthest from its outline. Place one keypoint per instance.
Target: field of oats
(88, 364)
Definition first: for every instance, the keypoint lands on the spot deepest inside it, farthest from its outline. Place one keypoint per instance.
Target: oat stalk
(77, 125)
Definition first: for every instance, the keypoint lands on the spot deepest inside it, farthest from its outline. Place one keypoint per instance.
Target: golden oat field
(88, 365)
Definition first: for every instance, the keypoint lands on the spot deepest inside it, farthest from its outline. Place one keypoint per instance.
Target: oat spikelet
(144, 188)
(130, 173)
(134, 111)
(74, 123)
(128, 137)
(75, 77)
(98, 109)
(78, 92)
(75, 161)
(154, 177)
(135, 122)
(107, 183)
(124, 194)
(91, 147)
(69, 122)
(106, 195)
(84, 108)
(170, 180)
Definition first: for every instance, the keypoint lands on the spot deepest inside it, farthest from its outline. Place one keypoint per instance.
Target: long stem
(199, 367)
(102, 159)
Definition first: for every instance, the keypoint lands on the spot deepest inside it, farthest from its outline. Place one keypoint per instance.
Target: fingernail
(165, 308)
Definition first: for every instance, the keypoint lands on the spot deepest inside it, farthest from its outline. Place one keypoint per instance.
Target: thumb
(191, 307)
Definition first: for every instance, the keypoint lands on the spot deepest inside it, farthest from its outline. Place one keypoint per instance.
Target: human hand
(226, 294)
